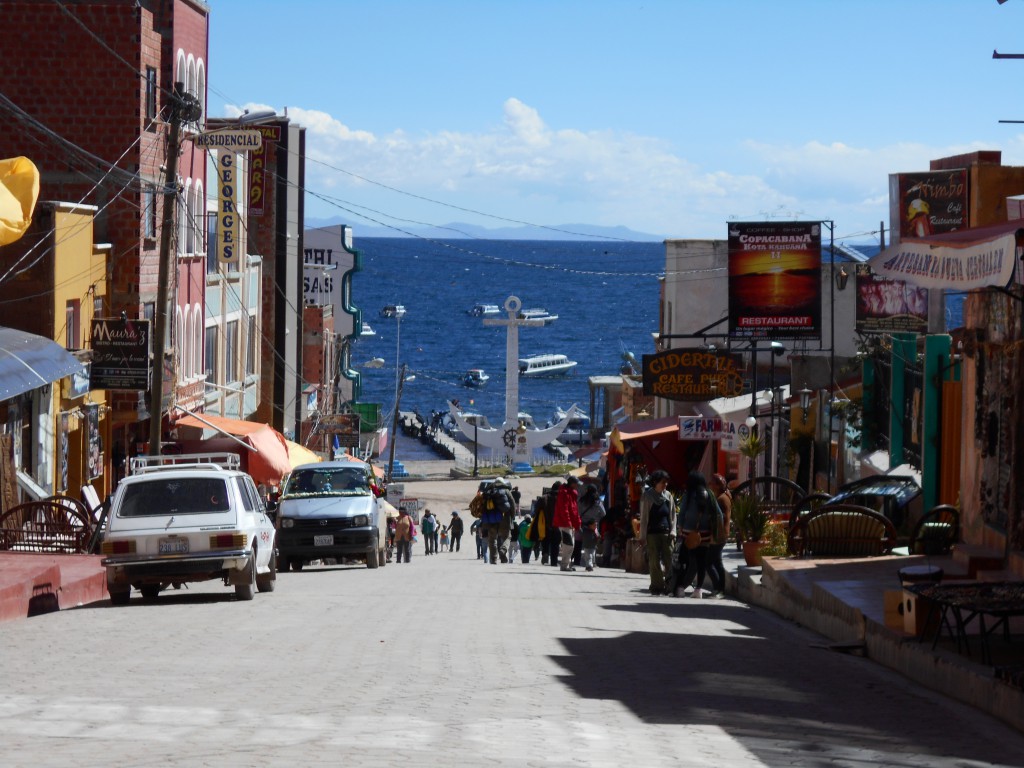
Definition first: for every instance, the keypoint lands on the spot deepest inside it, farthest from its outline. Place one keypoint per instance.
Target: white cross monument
(512, 437)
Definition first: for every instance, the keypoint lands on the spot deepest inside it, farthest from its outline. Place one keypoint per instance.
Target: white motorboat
(475, 377)
(545, 365)
(483, 310)
(367, 330)
(578, 428)
(392, 310)
(537, 314)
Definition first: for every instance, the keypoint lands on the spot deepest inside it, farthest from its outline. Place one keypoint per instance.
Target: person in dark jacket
(591, 514)
(455, 528)
(549, 546)
(657, 520)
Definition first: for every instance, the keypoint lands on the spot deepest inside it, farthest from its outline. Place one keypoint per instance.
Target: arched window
(198, 220)
(181, 69)
(201, 86)
(186, 234)
(180, 343)
(190, 80)
(197, 341)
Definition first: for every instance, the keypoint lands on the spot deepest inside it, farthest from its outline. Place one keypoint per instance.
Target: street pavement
(448, 661)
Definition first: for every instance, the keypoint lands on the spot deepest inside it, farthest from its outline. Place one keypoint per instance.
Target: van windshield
(175, 496)
(329, 481)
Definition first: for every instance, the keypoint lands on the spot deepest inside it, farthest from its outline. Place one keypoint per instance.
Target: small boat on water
(367, 330)
(475, 377)
(392, 310)
(545, 365)
(577, 431)
(537, 314)
(483, 310)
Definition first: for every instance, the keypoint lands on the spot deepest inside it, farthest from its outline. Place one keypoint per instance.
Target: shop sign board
(120, 354)
(705, 428)
(344, 425)
(692, 375)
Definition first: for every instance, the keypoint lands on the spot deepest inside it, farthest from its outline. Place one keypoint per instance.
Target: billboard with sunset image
(775, 280)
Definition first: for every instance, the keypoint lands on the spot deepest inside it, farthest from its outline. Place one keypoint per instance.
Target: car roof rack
(138, 465)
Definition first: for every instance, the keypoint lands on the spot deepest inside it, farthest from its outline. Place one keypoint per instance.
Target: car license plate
(323, 541)
(173, 546)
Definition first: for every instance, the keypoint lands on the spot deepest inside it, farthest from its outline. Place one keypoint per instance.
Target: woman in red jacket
(567, 519)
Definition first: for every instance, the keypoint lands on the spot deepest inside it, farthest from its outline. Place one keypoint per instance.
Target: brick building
(84, 92)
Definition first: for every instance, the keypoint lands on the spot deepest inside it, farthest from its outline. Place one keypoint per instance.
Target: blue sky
(671, 117)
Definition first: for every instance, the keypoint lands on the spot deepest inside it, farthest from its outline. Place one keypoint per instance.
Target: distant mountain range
(457, 230)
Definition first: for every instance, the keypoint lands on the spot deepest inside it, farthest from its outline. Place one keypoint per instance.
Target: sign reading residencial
(120, 354)
(775, 280)
(693, 375)
(236, 140)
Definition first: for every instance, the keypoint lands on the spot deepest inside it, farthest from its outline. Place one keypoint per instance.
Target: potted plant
(751, 521)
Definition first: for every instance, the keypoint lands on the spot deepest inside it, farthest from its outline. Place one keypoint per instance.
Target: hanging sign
(693, 375)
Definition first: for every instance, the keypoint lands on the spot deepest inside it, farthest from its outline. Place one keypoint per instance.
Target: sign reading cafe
(693, 375)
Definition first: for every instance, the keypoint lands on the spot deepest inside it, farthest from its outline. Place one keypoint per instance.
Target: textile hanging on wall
(95, 447)
(995, 401)
(62, 457)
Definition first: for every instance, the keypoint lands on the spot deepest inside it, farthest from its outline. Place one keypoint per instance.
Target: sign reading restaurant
(775, 280)
(692, 375)
(120, 354)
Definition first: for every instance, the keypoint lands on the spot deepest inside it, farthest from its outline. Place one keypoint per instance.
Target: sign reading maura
(120, 354)
(693, 375)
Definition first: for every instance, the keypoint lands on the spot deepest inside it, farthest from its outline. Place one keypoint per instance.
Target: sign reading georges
(120, 354)
(693, 375)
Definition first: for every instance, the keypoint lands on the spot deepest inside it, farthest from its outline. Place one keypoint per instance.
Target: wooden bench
(842, 530)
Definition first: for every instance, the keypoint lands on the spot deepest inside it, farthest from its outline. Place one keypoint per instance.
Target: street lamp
(805, 403)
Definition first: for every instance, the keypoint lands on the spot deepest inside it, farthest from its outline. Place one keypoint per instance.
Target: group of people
(685, 541)
(436, 537)
(563, 529)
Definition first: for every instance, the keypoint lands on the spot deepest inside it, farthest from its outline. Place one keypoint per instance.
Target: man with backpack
(496, 519)
(428, 524)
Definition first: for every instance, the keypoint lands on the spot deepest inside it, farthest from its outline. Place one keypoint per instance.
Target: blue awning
(28, 362)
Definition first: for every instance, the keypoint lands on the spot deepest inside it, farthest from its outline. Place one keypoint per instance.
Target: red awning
(634, 429)
(268, 464)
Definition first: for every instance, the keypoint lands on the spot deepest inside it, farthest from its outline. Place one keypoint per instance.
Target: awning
(268, 464)
(28, 362)
(649, 428)
(300, 454)
(976, 257)
(658, 444)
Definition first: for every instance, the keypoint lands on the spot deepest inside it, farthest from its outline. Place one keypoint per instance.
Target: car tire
(382, 556)
(266, 582)
(120, 596)
(247, 591)
(149, 591)
(373, 558)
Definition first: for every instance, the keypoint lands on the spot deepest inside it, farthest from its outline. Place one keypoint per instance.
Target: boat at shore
(577, 430)
(367, 330)
(483, 310)
(392, 310)
(545, 365)
(537, 314)
(475, 377)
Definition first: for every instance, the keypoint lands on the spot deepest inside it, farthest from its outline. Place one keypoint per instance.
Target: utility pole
(183, 106)
(394, 423)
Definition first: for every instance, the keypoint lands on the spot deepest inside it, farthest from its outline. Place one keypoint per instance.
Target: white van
(329, 510)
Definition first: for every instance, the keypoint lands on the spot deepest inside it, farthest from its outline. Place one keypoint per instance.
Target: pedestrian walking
(496, 519)
(455, 532)
(525, 540)
(428, 525)
(591, 514)
(700, 521)
(716, 568)
(481, 544)
(551, 540)
(657, 518)
(404, 532)
(567, 520)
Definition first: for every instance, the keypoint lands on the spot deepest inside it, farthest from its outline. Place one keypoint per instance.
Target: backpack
(524, 535)
(498, 500)
(427, 524)
(477, 505)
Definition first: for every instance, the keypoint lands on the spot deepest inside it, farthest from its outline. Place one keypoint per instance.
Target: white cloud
(523, 169)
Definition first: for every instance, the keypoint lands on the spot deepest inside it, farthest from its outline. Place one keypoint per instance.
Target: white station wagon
(186, 518)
